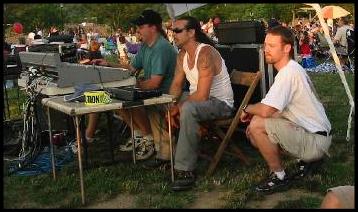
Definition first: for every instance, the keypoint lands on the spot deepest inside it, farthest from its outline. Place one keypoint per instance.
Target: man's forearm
(147, 85)
(176, 91)
(260, 109)
(196, 97)
(124, 66)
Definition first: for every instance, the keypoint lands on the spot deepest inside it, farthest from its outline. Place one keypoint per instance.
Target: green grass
(151, 189)
(303, 202)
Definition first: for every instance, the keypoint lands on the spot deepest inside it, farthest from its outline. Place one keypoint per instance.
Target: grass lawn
(105, 181)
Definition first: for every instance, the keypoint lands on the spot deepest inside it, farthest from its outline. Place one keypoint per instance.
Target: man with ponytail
(210, 95)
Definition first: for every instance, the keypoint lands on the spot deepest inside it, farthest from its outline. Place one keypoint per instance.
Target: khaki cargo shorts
(296, 140)
(156, 115)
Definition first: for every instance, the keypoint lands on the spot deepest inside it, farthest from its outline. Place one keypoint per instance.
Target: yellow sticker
(97, 98)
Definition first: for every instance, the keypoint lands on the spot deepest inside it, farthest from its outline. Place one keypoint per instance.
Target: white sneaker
(73, 147)
(128, 146)
(145, 149)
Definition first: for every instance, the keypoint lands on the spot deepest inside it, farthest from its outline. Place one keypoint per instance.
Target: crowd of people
(279, 124)
(313, 44)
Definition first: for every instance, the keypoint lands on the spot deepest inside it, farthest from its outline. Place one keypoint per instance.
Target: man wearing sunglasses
(210, 95)
(157, 57)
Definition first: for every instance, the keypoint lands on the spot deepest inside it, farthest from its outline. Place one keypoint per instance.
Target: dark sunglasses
(176, 30)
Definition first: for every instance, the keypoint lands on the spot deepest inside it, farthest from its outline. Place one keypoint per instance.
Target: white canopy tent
(175, 10)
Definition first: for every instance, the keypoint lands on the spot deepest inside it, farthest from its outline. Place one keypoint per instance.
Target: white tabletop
(79, 108)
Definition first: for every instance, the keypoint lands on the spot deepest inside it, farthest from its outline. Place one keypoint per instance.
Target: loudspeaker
(241, 32)
(242, 59)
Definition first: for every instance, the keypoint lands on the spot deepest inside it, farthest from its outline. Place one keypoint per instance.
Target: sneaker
(156, 163)
(272, 184)
(306, 168)
(145, 149)
(128, 146)
(73, 146)
(184, 180)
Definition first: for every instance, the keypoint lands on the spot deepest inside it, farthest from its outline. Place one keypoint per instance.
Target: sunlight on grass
(151, 189)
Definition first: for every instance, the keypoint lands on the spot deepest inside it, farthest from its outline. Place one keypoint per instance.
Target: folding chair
(237, 78)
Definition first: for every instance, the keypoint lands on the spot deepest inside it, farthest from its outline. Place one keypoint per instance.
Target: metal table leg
(79, 152)
(51, 144)
(110, 123)
(171, 144)
(132, 134)
(83, 139)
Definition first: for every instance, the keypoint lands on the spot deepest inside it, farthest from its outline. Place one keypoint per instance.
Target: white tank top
(221, 85)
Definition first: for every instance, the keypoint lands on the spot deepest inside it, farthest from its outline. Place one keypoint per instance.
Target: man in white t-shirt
(289, 118)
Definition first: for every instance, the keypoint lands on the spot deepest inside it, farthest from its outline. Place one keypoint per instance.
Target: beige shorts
(158, 124)
(296, 140)
(345, 194)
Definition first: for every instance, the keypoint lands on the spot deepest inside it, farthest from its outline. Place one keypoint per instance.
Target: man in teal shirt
(157, 57)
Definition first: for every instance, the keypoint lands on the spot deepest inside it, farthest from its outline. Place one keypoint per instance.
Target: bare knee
(256, 128)
(253, 128)
(256, 125)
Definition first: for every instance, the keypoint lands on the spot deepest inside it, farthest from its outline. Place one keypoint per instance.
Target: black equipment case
(241, 32)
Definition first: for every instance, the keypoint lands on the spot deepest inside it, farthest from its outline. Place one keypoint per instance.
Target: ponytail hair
(200, 36)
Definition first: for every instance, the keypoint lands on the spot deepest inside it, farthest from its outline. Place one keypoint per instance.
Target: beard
(269, 60)
(179, 45)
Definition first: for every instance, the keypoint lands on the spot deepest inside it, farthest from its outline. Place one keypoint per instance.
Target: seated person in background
(94, 50)
(54, 32)
(132, 48)
(92, 53)
(340, 39)
(210, 97)
(289, 118)
(339, 197)
(305, 49)
(157, 57)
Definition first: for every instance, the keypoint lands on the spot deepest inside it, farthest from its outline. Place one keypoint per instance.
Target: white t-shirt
(293, 96)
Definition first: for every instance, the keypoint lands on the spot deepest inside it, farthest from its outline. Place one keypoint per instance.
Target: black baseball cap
(148, 17)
